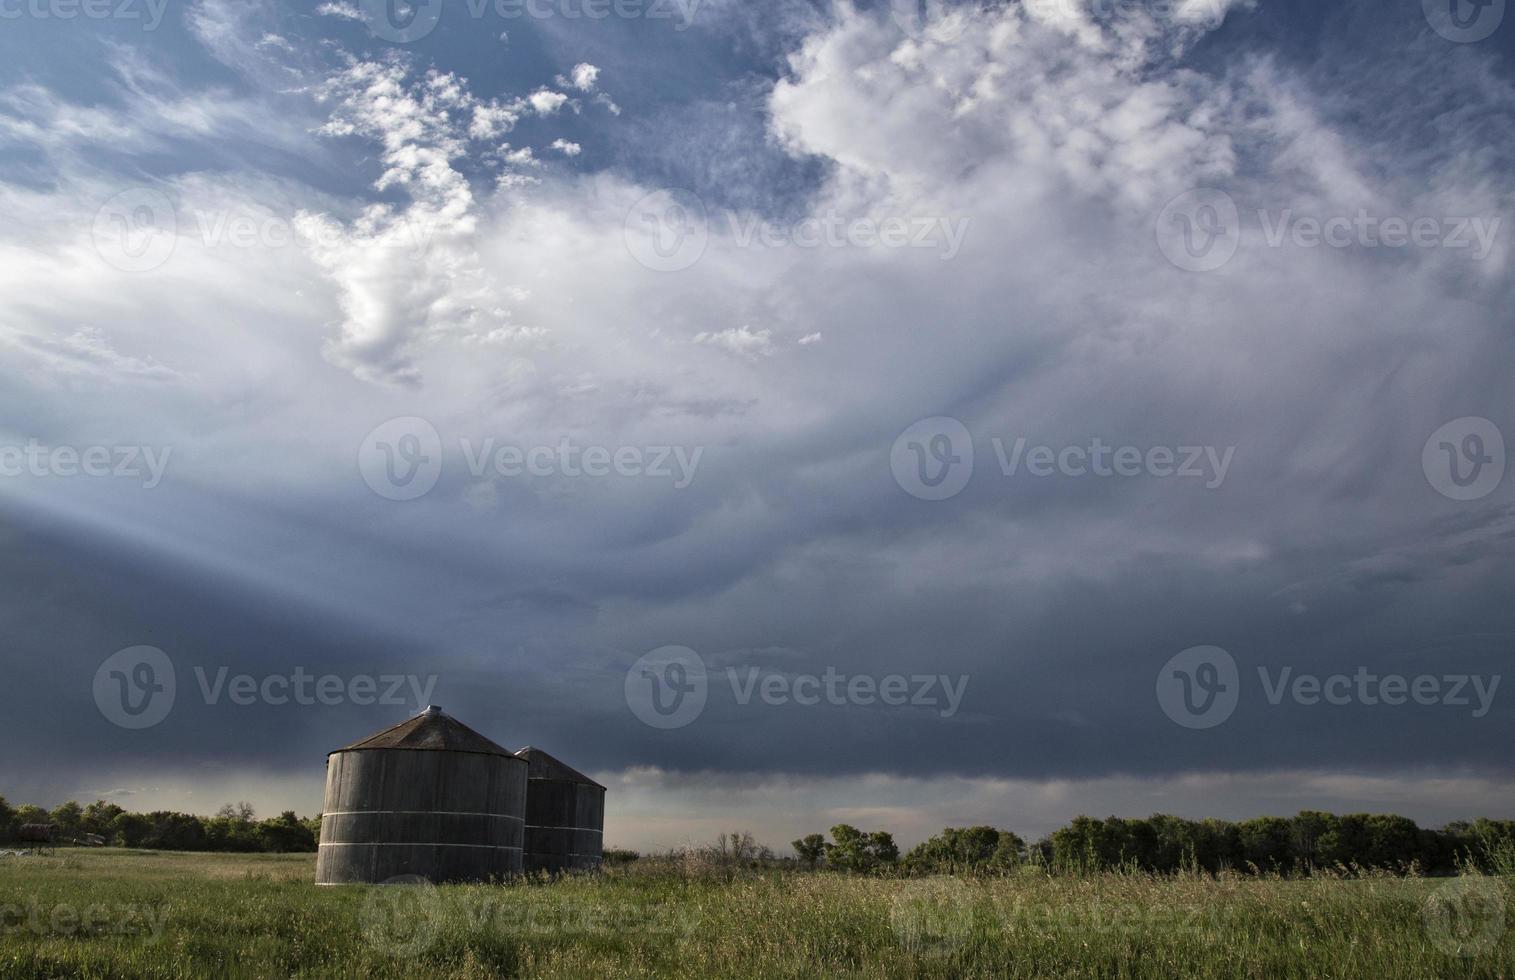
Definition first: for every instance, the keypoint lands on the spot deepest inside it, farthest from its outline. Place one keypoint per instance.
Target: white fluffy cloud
(545, 101)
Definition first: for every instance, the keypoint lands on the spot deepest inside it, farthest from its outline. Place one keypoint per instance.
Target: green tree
(1266, 843)
(810, 848)
(1009, 851)
(286, 833)
(98, 816)
(68, 817)
(848, 850)
(1307, 829)
(882, 849)
(129, 829)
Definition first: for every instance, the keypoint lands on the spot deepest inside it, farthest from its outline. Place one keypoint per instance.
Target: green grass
(113, 913)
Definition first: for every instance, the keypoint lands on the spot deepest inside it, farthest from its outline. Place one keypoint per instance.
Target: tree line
(235, 827)
(1311, 840)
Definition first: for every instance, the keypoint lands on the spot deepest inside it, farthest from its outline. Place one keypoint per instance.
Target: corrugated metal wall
(447, 816)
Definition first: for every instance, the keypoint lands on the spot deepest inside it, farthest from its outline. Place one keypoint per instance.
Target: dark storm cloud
(1323, 548)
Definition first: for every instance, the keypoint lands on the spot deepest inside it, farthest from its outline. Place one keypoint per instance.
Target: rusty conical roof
(544, 765)
(430, 730)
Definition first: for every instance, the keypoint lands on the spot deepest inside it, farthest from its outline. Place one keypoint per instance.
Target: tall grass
(132, 914)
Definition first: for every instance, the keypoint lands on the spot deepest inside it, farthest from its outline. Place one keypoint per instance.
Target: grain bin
(565, 815)
(428, 797)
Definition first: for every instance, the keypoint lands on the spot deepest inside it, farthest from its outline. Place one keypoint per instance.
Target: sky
(789, 413)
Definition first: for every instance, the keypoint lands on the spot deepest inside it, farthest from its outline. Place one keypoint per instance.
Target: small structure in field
(38, 834)
(565, 815)
(429, 797)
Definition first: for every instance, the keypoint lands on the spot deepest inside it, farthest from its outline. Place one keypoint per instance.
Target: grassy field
(113, 913)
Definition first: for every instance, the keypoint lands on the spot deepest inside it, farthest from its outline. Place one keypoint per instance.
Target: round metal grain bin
(429, 797)
(565, 815)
